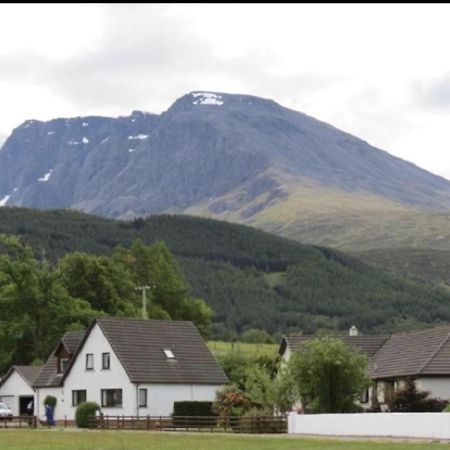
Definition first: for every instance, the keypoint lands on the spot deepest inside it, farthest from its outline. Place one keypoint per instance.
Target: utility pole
(144, 289)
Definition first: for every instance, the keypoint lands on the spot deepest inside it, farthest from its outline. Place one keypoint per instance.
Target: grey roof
(49, 376)
(424, 352)
(418, 353)
(140, 344)
(367, 345)
(28, 373)
(72, 339)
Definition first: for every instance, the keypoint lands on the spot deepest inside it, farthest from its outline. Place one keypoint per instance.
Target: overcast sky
(380, 72)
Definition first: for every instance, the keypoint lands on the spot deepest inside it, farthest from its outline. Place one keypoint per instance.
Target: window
(62, 364)
(78, 397)
(142, 397)
(388, 391)
(364, 397)
(111, 397)
(89, 361)
(169, 353)
(105, 361)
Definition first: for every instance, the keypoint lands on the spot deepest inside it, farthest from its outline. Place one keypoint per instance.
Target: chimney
(353, 331)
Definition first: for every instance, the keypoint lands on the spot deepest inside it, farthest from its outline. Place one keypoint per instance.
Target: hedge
(188, 408)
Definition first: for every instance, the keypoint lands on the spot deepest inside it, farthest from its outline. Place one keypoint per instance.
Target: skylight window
(169, 353)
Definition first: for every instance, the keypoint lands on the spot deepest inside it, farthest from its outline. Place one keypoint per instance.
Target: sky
(380, 72)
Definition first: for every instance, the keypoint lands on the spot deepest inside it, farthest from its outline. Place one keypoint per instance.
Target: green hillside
(428, 265)
(251, 279)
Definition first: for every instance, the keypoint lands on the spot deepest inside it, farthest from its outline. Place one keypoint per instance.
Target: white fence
(408, 425)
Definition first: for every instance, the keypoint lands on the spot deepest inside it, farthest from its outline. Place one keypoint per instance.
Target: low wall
(411, 425)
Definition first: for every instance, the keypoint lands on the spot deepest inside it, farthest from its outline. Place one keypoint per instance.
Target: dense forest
(430, 265)
(249, 278)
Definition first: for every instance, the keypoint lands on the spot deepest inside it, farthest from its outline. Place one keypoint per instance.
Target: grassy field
(135, 440)
(220, 348)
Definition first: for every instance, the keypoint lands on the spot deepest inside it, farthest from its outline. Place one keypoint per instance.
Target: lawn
(248, 350)
(59, 439)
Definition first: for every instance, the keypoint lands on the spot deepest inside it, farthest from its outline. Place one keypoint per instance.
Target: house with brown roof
(16, 389)
(423, 356)
(130, 367)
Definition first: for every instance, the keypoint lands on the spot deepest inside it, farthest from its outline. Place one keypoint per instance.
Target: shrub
(83, 412)
(410, 399)
(446, 409)
(50, 401)
(231, 401)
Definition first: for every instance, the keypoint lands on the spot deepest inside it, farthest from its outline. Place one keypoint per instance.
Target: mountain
(234, 157)
(250, 278)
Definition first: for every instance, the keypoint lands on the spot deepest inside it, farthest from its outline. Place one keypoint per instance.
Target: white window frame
(143, 392)
(89, 358)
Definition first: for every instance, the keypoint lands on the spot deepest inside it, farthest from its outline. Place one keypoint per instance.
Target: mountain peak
(206, 100)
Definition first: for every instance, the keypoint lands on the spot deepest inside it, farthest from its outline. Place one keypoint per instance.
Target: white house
(130, 367)
(423, 356)
(16, 389)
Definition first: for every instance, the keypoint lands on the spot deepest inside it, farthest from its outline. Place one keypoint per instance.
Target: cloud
(433, 94)
(145, 57)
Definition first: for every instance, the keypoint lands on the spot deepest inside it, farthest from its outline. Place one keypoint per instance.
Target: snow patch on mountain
(4, 200)
(207, 98)
(46, 176)
(139, 136)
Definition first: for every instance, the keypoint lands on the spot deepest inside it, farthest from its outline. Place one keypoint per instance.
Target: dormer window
(62, 364)
(169, 353)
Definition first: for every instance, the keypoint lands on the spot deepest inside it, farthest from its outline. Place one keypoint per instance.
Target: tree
(255, 336)
(36, 308)
(329, 375)
(272, 393)
(101, 282)
(410, 399)
(169, 299)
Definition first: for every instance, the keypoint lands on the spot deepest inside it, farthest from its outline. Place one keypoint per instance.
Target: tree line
(40, 301)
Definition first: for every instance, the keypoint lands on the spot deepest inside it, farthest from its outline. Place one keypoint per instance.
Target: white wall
(14, 388)
(58, 393)
(93, 381)
(160, 397)
(413, 425)
(438, 387)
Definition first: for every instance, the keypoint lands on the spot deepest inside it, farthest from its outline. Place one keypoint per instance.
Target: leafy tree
(169, 297)
(328, 375)
(101, 282)
(269, 392)
(410, 399)
(36, 308)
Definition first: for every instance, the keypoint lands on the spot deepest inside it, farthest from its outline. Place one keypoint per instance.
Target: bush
(50, 401)
(446, 409)
(83, 412)
(410, 399)
(231, 401)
